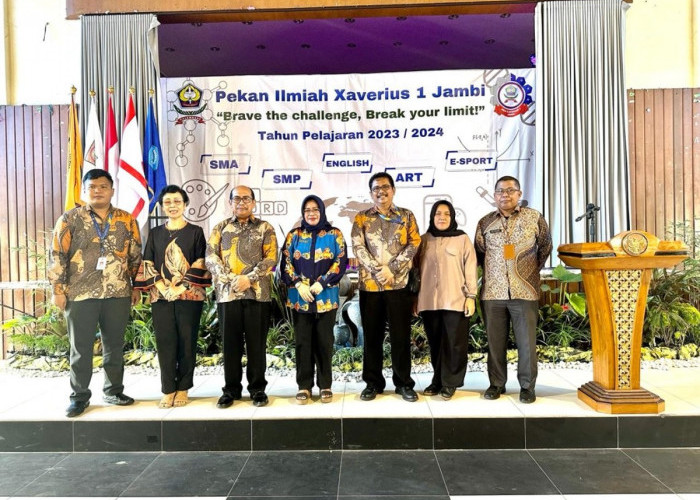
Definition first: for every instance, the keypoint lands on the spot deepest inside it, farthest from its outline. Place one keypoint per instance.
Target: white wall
(41, 54)
(662, 44)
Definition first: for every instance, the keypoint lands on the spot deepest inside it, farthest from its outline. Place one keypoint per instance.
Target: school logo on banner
(511, 96)
(189, 99)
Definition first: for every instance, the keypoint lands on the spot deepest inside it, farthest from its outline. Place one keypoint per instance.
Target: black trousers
(448, 338)
(83, 318)
(244, 322)
(376, 309)
(498, 315)
(314, 348)
(176, 325)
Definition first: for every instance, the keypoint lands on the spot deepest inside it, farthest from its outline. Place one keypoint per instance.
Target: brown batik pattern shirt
(384, 241)
(517, 278)
(248, 248)
(76, 248)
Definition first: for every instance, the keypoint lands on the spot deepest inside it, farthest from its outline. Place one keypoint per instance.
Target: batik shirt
(314, 257)
(248, 248)
(379, 240)
(76, 248)
(517, 278)
(174, 258)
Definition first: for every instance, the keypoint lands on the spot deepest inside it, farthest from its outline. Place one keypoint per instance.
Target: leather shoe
(431, 390)
(369, 393)
(120, 399)
(260, 399)
(527, 396)
(76, 408)
(494, 392)
(225, 401)
(447, 392)
(407, 394)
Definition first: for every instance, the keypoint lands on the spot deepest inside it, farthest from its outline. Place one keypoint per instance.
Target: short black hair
(381, 175)
(173, 188)
(252, 193)
(507, 178)
(97, 173)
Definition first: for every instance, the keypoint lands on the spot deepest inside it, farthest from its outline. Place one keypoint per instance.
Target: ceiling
(348, 45)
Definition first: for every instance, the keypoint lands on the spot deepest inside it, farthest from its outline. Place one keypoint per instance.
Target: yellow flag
(74, 162)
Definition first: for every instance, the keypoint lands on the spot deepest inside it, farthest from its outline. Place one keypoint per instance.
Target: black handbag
(414, 280)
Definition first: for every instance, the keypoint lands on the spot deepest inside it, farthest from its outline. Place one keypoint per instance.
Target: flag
(111, 157)
(153, 159)
(75, 158)
(132, 195)
(94, 148)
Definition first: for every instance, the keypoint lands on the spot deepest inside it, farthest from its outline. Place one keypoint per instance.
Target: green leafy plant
(139, 330)
(45, 334)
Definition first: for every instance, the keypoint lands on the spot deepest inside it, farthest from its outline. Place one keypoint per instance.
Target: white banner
(441, 135)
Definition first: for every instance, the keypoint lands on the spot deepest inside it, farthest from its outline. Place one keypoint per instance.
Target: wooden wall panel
(664, 131)
(32, 175)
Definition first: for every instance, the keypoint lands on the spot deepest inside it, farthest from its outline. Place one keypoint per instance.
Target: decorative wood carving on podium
(616, 277)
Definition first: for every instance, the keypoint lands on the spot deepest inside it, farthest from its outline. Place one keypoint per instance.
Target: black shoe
(431, 390)
(447, 392)
(120, 399)
(527, 396)
(407, 394)
(76, 408)
(369, 393)
(260, 399)
(494, 392)
(225, 401)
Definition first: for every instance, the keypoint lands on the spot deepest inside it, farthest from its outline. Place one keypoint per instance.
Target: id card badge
(508, 251)
(101, 263)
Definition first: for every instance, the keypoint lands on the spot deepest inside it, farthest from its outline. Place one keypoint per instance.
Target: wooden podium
(616, 277)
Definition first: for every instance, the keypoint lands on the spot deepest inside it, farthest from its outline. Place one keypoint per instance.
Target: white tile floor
(36, 398)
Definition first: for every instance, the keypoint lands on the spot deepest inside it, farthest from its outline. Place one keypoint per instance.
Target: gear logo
(511, 96)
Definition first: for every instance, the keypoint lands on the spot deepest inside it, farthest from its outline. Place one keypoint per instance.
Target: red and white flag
(111, 157)
(132, 194)
(94, 147)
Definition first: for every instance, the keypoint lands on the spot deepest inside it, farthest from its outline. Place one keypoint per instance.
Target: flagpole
(74, 159)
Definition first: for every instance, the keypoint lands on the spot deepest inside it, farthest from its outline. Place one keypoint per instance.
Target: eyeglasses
(509, 191)
(245, 199)
(385, 188)
(167, 203)
(310, 211)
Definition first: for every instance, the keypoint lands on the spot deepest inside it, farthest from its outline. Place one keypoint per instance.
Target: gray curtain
(582, 143)
(115, 51)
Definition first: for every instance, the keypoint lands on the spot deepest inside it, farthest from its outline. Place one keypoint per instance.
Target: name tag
(101, 263)
(509, 251)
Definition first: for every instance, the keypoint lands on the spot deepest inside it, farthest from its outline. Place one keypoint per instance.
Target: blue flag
(153, 159)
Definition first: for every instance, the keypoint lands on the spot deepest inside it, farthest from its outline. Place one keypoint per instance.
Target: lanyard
(506, 228)
(396, 219)
(101, 233)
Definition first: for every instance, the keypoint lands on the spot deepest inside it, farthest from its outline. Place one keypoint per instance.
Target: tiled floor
(612, 472)
(23, 398)
(405, 475)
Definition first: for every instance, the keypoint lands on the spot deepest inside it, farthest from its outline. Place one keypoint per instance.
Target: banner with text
(441, 135)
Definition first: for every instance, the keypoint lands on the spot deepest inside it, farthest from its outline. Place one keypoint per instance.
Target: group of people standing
(98, 271)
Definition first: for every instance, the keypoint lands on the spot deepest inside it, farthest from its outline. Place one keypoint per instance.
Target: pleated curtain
(115, 51)
(582, 146)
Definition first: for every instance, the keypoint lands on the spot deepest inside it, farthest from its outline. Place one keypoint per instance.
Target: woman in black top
(174, 273)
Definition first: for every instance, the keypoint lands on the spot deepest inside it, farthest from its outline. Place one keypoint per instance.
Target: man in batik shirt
(384, 240)
(512, 244)
(241, 253)
(95, 255)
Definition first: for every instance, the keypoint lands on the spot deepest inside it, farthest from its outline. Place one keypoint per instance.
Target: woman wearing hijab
(174, 274)
(446, 299)
(314, 258)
